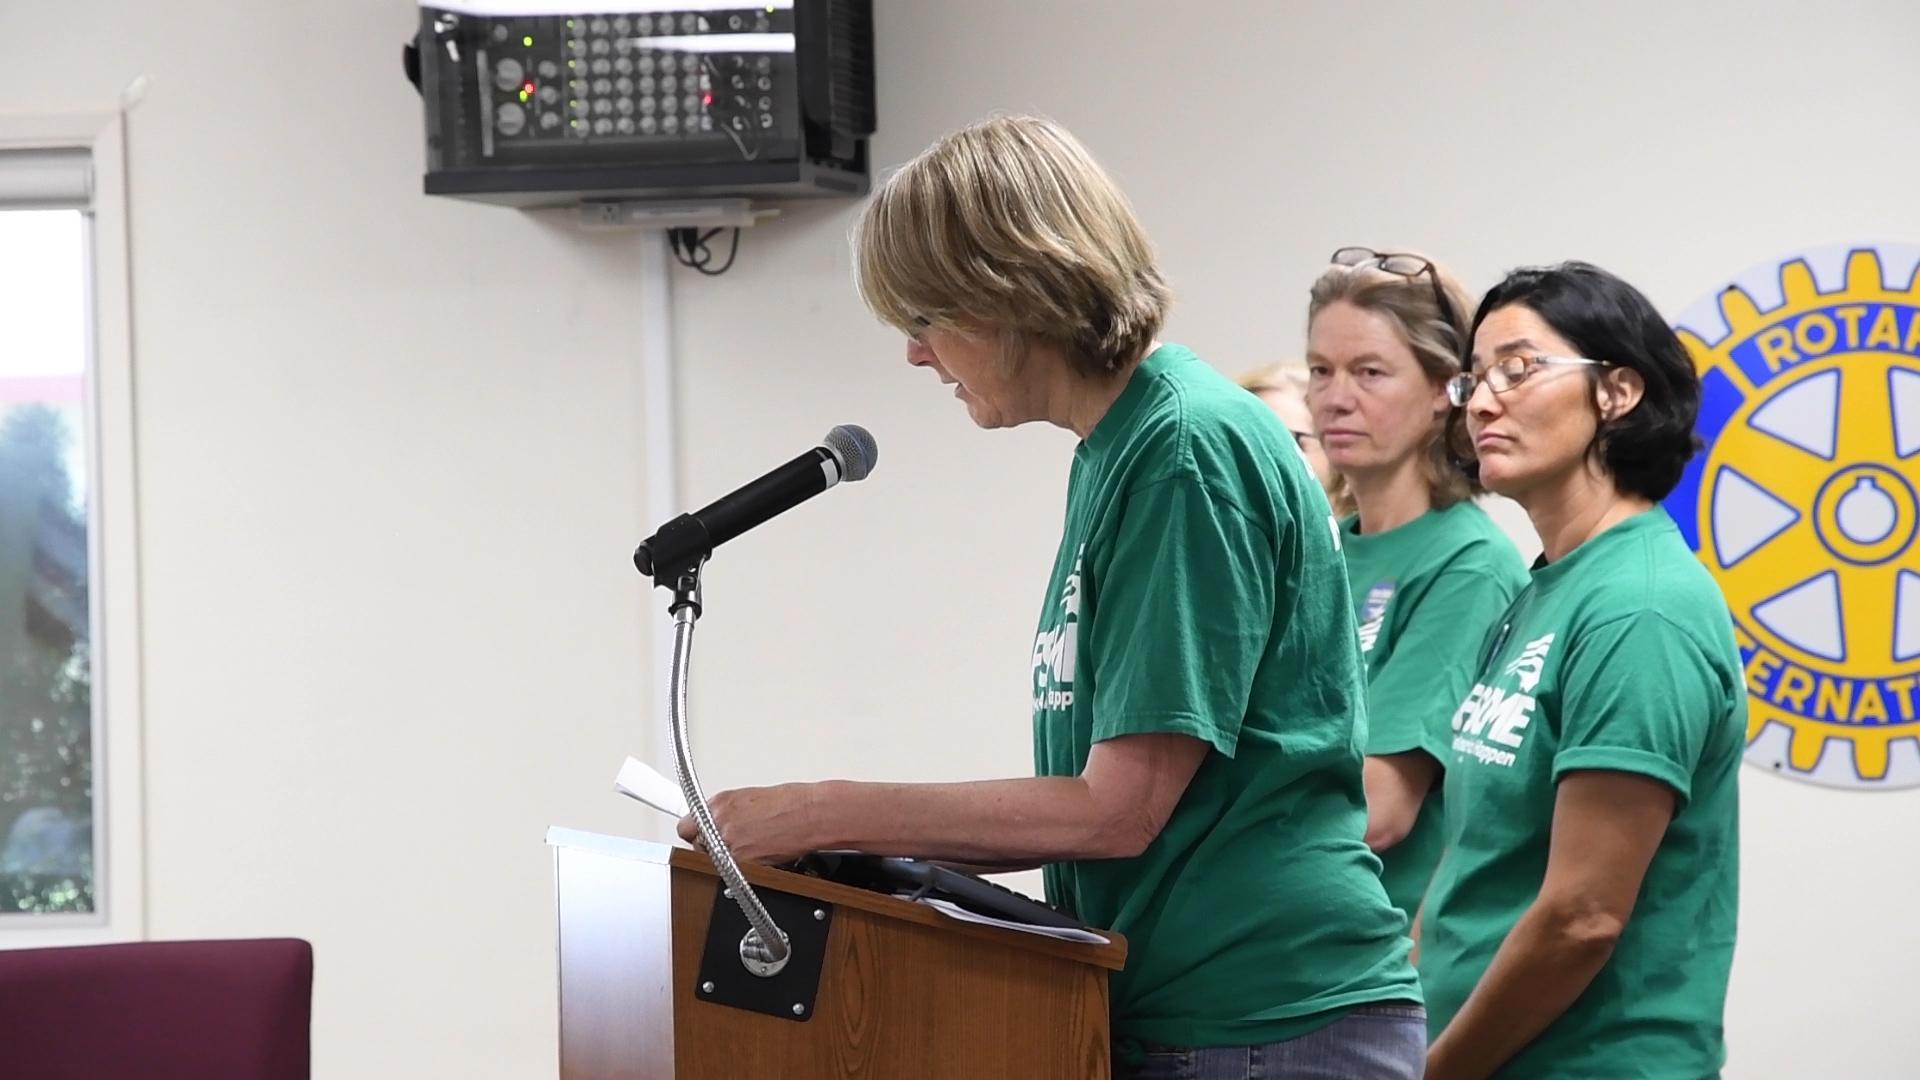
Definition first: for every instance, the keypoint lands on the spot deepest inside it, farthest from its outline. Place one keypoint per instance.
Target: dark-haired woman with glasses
(1581, 923)
(1426, 567)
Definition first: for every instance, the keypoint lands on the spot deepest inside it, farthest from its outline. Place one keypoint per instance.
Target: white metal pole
(662, 453)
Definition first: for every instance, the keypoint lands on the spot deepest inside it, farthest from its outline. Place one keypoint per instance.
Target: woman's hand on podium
(1112, 810)
(764, 825)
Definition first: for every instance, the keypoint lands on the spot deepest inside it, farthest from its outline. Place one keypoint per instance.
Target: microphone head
(855, 449)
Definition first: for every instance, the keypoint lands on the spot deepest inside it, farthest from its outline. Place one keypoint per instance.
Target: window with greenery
(49, 842)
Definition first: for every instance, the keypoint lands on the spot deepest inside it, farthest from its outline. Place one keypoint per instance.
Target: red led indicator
(528, 88)
(707, 100)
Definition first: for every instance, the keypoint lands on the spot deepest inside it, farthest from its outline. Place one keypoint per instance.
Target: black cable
(691, 250)
(733, 249)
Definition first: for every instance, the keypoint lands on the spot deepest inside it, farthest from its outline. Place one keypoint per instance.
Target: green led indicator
(573, 123)
(569, 24)
(527, 41)
(524, 95)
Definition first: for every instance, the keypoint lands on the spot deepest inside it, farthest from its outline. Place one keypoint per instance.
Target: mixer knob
(508, 74)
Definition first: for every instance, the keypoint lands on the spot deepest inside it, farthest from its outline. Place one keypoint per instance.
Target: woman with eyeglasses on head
(1581, 923)
(1284, 388)
(1427, 567)
(1196, 688)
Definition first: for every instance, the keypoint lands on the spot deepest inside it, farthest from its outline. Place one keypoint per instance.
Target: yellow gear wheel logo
(1805, 504)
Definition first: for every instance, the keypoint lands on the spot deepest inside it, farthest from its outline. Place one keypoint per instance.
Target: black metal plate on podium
(724, 980)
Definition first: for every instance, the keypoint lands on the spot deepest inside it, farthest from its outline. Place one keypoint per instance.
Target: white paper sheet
(953, 911)
(638, 780)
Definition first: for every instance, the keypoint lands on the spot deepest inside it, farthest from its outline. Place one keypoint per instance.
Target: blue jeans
(1372, 1042)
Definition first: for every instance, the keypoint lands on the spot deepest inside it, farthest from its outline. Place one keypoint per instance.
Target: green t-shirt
(1199, 591)
(1618, 657)
(1423, 594)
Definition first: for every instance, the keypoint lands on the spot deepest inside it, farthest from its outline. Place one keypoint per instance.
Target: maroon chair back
(158, 1010)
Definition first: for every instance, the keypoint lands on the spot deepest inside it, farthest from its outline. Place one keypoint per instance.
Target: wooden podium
(901, 990)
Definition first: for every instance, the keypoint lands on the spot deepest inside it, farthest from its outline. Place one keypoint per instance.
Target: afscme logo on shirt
(1531, 661)
(1492, 722)
(1055, 650)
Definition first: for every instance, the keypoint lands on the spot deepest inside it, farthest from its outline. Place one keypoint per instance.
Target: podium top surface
(1112, 956)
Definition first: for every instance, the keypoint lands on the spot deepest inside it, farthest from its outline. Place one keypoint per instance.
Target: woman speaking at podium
(1198, 701)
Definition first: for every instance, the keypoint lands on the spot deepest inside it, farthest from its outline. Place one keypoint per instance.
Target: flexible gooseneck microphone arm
(674, 557)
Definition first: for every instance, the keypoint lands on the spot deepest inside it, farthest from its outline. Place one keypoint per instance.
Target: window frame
(114, 594)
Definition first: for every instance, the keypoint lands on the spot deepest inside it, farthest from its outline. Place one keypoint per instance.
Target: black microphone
(847, 453)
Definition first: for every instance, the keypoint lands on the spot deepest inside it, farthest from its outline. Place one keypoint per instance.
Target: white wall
(389, 444)
(389, 459)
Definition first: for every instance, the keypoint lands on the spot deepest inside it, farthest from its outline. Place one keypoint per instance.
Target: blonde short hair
(1274, 378)
(1009, 228)
(1439, 343)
